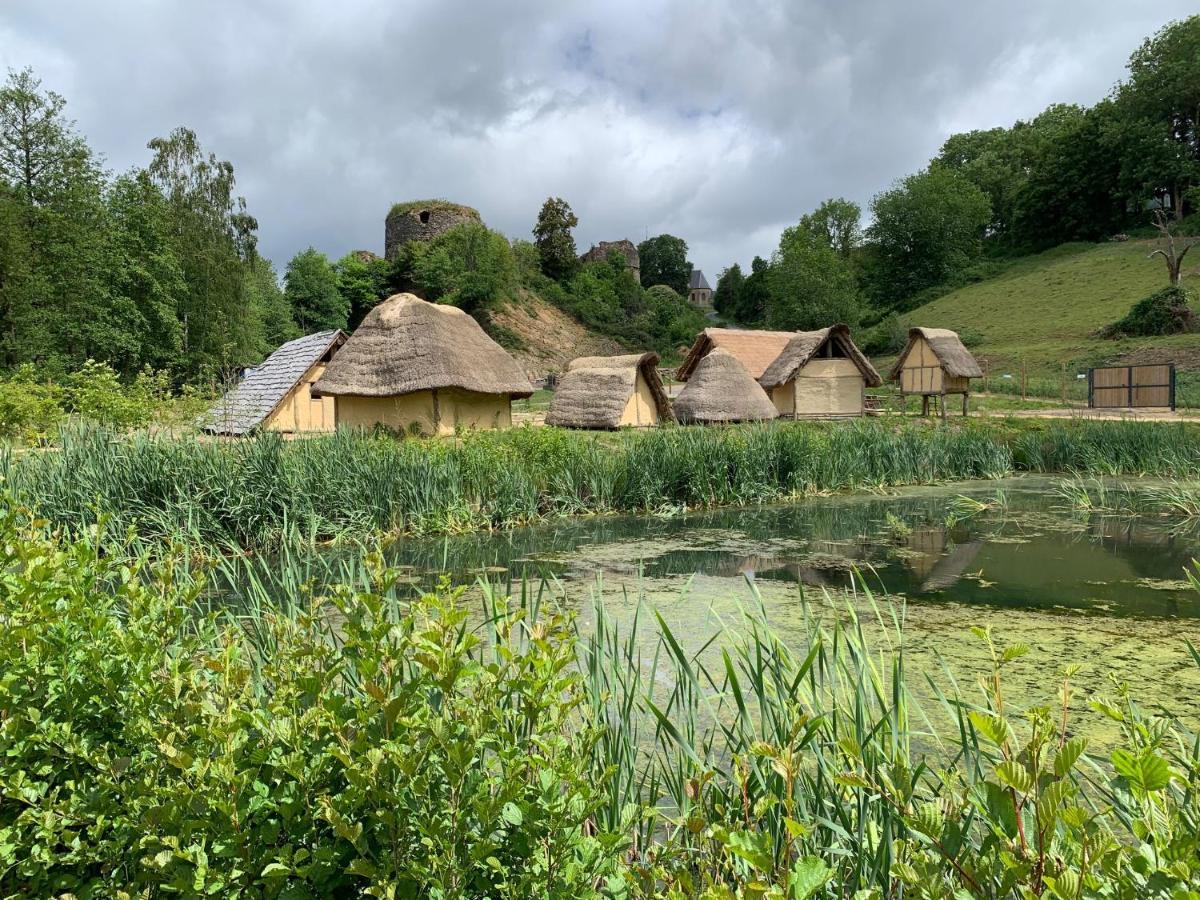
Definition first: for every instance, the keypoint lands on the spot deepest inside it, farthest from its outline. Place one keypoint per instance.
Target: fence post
(1024, 381)
(1063, 383)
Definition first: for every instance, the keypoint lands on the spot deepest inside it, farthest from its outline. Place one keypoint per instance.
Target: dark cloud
(721, 122)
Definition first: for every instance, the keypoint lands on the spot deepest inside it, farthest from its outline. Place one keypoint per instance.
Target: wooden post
(965, 395)
(1024, 381)
(1063, 381)
(942, 406)
(985, 376)
(924, 406)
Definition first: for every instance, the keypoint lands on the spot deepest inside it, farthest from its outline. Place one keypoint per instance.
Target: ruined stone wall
(422, 221)
(625, 247)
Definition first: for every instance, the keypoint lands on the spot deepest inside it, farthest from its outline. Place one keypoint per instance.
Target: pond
(1108, 591)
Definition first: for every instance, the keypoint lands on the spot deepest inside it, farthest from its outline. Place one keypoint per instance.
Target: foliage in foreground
(373, 746)
(254, 492)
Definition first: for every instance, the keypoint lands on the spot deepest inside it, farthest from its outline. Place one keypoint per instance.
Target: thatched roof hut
(610, 392)
(934, 362)
(721, 390)
(820, 373)
(276, 394)
(755, 350)
(417, 365)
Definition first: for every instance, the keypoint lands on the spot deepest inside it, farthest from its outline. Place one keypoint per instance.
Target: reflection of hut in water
(950, 567)
(938, 568)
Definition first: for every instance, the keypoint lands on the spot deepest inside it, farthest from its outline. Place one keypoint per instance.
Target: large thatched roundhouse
(820, 374)
(610, 392)
(721, 390)
(276, 395)
(413, 365)
(755, 350)
(935, 363)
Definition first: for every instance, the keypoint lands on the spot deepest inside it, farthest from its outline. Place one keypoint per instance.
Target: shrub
(30, 410)
(1164, 312)
(147, 749)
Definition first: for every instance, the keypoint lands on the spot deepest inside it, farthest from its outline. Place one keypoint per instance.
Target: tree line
(1071, 173)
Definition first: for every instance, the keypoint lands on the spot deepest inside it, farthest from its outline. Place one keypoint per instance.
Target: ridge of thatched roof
(595, 390)
(804, 344)
(754, 349)
(951, 354)
(252, 401)
(721, 390)
(406, 344)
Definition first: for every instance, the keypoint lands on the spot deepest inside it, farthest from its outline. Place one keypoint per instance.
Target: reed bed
(252, 493)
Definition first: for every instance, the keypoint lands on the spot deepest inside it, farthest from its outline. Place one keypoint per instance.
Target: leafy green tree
(271, 312)
(555, 244)
(664, 260)
(311, 288)
(1071, 190)
(16, 299)
(215, 242)
(147, 280)
(468, 266)
(727, 298)
(1163, 96)
(59, 185)
(834, 225)
(363, 280)
(756, 294)
(811, 285)
(927, 228)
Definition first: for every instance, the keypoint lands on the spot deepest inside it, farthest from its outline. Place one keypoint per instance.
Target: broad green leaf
(995, 728)
(808, 876)
(1066, 758)
(1011, 773)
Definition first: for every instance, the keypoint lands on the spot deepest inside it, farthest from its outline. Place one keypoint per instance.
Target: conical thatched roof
(405, 345)
(953, 357)
(595, 390)
(804, 344)
(721, 390)
(754, 349)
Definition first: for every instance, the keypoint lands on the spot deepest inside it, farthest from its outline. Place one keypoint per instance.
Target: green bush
(1164, 312)
(30, 410)
(147, 749)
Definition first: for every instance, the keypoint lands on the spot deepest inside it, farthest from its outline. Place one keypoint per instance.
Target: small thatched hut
(755, 350)
(276, 395)
(610, 392)
(721, 390)
(935, 363)
(413, 365)
(820, 373)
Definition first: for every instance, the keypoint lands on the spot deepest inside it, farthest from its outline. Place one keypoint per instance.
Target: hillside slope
(1046, 309)
(546, 338)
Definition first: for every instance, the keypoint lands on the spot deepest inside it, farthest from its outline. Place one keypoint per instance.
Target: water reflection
(1009, 545)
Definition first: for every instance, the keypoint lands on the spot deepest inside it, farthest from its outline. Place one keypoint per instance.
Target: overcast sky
(720, 122)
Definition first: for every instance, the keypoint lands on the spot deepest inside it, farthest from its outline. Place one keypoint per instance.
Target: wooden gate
(1130, 386)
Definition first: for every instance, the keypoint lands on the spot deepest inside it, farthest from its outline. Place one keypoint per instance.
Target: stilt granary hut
(610, 392)
(935, 363)
(820, 374)
(418, 366)
(276, 395)
(721, 390)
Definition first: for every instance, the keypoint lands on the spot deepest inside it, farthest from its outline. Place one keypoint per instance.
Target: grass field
(1045, 310)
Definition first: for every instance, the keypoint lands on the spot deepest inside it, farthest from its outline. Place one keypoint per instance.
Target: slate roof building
(699, 293)
(276, 395)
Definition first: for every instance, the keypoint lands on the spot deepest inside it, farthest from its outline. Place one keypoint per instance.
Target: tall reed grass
(251, 493)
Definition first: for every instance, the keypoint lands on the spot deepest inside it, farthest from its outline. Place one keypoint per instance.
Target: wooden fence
(1130, 386)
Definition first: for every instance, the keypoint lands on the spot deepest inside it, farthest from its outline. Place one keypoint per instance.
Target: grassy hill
(1045, 310)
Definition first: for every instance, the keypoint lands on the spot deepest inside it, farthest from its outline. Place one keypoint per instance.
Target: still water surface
(1107, 591)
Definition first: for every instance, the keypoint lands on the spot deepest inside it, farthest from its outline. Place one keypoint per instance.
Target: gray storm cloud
(721, 122)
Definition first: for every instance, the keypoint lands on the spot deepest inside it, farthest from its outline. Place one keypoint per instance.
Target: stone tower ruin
(599, 253)
(422, 220)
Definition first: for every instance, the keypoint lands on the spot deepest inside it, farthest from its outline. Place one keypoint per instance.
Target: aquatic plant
(255, 492)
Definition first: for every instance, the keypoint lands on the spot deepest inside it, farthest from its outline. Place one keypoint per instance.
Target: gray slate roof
(697, 281)
(246, 406)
